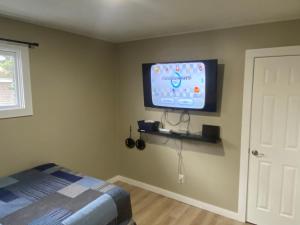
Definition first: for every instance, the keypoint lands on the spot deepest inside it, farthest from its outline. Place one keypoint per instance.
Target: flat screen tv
(189, 85)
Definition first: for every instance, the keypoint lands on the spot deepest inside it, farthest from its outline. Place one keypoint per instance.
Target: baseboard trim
(179, 197)
(114, 179)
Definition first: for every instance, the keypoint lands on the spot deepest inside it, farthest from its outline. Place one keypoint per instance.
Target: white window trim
(23, 65)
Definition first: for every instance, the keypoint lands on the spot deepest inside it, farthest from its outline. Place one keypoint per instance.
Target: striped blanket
(52, 195)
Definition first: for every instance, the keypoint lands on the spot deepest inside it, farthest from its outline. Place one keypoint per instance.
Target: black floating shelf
(193, 137)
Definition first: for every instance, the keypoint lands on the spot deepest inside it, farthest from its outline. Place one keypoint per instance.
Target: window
(15, 88)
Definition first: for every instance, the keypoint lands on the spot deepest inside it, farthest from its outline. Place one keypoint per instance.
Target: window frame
(24, 107)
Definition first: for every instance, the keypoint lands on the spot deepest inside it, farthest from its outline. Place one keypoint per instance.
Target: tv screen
(188, 85)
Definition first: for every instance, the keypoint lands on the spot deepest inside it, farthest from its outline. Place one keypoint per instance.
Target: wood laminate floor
(153, 209)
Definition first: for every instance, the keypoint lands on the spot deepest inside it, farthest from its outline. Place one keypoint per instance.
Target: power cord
(180, 164)
(183, 118)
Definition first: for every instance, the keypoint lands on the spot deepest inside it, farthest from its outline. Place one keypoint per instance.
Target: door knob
(257, 154)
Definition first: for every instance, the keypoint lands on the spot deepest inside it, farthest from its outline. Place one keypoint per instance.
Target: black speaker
(210, 131)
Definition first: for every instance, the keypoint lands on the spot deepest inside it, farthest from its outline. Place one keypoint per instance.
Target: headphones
(129, 142)
(140, 144)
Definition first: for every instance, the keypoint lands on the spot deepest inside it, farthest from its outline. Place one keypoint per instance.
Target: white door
(274, 173)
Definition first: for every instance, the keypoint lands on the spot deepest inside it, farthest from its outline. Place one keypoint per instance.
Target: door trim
(246, 117)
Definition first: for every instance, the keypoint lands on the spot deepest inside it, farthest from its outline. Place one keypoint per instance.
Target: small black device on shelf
(210, 131)
(148, 125)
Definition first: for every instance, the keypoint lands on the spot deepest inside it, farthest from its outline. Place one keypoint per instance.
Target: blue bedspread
(52, 195)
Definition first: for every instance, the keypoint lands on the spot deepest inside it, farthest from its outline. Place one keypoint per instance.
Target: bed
(52, 195)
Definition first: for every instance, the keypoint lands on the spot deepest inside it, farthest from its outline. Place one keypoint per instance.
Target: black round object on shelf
(140, 143)
(129, 142)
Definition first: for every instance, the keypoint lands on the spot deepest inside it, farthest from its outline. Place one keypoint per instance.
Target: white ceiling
(125, 20)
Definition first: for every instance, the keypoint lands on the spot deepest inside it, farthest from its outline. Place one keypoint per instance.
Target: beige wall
(73, 100)
(211, 171)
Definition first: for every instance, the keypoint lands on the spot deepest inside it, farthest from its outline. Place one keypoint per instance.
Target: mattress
(52, 195)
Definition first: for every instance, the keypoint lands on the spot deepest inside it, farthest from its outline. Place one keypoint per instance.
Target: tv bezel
(211, 82)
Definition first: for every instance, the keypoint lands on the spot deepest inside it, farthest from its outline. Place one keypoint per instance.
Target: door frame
(251, 55)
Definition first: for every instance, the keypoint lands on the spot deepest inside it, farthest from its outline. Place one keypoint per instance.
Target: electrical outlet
(180, 178)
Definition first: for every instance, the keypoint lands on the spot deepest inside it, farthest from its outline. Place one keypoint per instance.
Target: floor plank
(152, 209)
